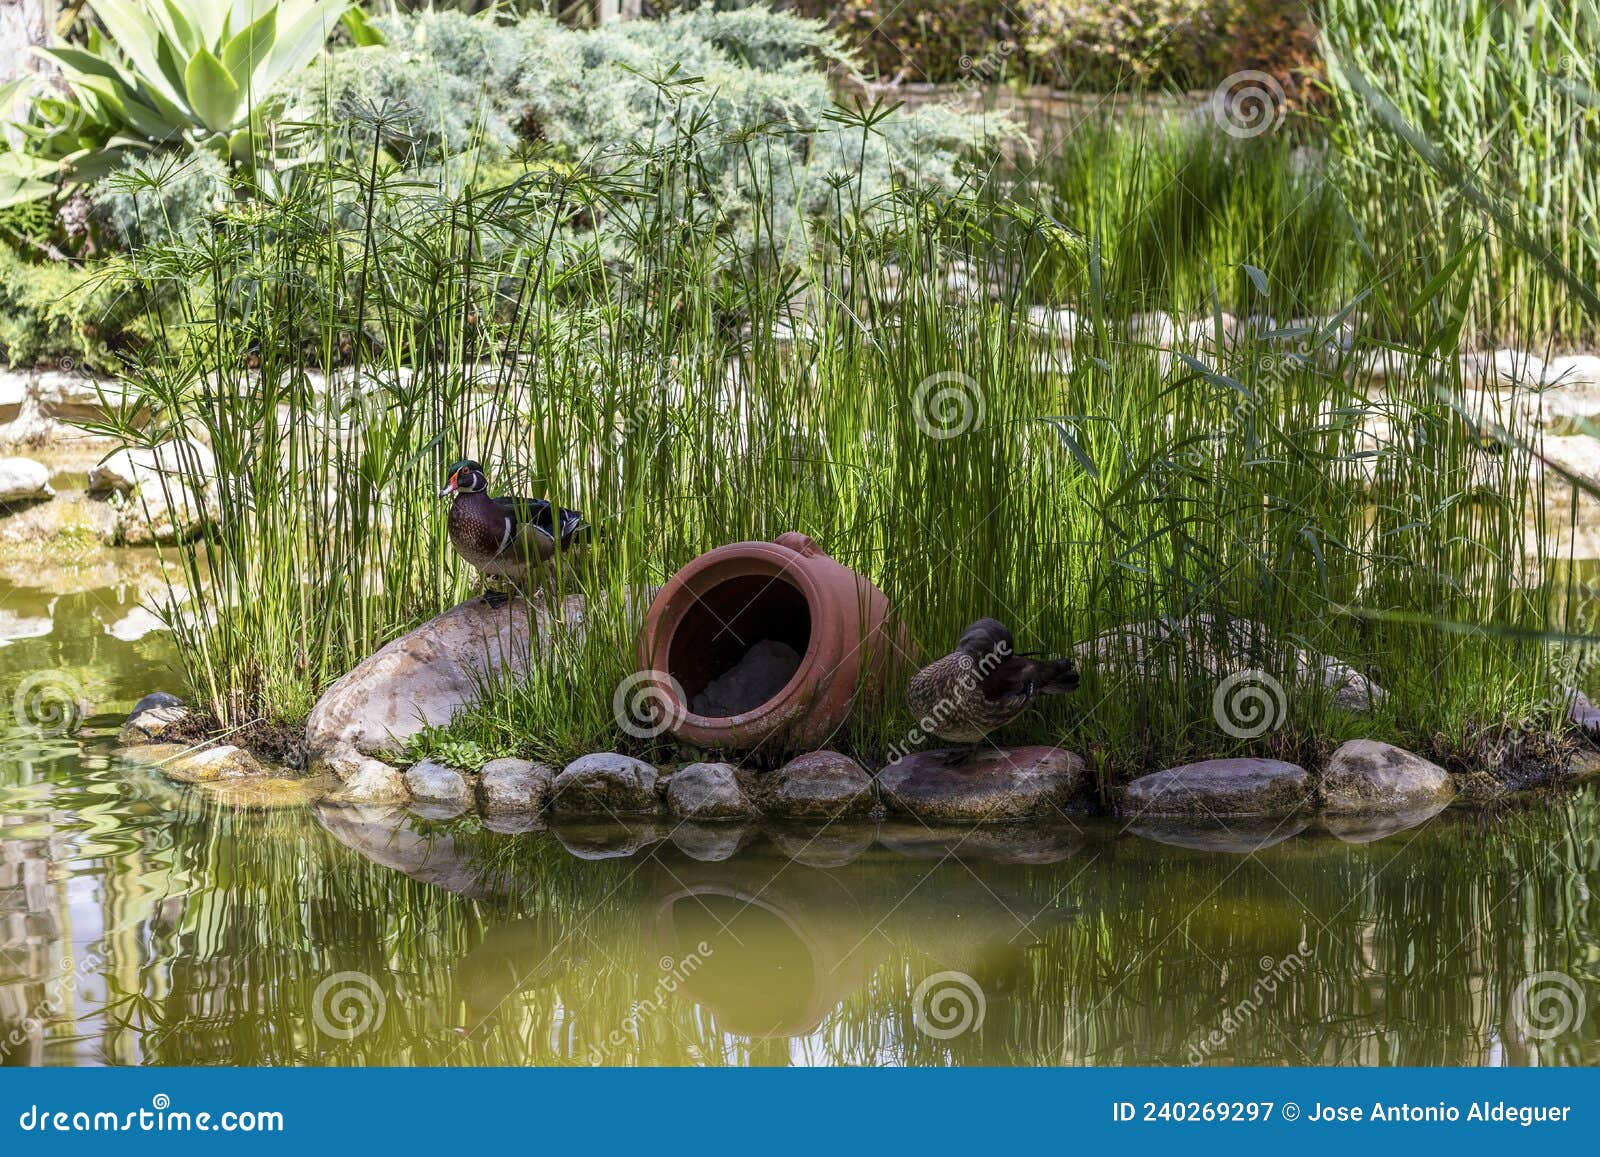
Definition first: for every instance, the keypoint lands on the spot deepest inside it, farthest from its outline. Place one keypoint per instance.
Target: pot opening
(739, 644)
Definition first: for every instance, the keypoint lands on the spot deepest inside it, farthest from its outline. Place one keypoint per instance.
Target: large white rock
(24, 480)
(169, 492)
(423, 678)
(124, 469)
(1575, 454)
(1219, 650)
(1500, 369)
(1059, 325)
(1572, 370)
(67, 395)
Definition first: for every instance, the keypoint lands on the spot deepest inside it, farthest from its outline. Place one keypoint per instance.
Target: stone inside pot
(739, 644)
(758, 675)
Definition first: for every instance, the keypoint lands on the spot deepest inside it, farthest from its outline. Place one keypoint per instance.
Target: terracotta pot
(715, 609)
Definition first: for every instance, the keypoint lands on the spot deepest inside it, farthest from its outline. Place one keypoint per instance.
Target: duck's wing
(537, 518)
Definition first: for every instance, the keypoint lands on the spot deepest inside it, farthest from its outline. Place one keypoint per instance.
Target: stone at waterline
(154, 718)
(711, 843)
(434, 783)
(1221, 787)
(204, 765)
(996, 785)
(1015, 843)
(707, 791)
(1236, 835)
(821, 785)
(1365, 776)
(605, 784)
(271, 793)
(24, 480)
(514, 786)
(367, 783)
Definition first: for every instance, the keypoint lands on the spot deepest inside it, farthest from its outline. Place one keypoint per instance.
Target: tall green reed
(1504, 92)
(889, 396)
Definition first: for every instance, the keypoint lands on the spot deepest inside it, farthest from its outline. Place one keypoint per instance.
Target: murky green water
(141, 922)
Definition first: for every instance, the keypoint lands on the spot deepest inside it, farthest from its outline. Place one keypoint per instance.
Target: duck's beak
(450, 487)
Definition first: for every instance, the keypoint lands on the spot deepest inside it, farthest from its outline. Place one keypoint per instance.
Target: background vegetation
(657, 272)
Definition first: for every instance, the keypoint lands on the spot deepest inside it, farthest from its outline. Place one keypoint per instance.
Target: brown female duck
(982, 685)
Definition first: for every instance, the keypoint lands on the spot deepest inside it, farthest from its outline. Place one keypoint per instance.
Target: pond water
(146, 923)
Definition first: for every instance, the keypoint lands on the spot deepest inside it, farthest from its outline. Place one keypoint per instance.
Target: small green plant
(442, 746)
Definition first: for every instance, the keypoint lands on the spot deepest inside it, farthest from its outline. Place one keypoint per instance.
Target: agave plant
(172, 72)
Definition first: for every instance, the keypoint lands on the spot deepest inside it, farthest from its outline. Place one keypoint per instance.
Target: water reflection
(142, 922)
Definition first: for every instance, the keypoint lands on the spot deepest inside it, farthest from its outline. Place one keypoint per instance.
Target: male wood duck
(505, 538)
(982, 685)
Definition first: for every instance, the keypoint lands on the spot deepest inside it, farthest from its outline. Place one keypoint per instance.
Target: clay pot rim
(699, 576)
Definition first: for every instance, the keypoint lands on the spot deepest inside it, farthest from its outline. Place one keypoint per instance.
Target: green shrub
(1100, 46)
(57, 311)
(154, 198)
(445, 82)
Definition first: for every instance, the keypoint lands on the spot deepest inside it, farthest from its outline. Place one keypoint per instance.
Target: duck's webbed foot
(495, 597)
